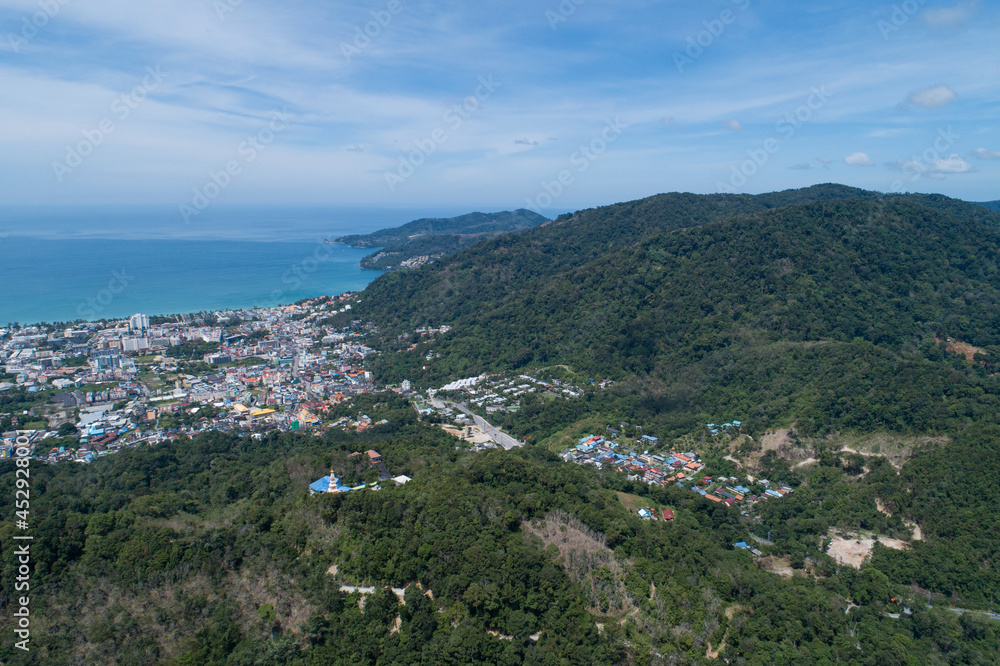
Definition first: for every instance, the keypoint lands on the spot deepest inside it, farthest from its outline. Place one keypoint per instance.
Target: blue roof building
(328, 484)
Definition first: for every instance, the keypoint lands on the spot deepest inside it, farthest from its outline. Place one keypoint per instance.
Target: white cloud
(951, 17)
(936, 169)
(983, 154)
(932, 98)
(952, 164)
(734, 125)
(859, 159)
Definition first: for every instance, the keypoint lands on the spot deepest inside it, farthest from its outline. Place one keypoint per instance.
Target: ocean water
(59, 265)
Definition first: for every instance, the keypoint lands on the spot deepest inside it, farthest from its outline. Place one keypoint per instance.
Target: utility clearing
(854, 550)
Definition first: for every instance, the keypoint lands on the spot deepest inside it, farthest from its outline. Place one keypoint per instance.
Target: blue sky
(491, 104)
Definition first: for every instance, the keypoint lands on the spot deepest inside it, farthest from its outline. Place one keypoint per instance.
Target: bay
(60, 264)
(65, 280)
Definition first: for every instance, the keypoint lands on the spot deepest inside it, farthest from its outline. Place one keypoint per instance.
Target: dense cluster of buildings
(682, 469)
(119, 384)
(497, 393)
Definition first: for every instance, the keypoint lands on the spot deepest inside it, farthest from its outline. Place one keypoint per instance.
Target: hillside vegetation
(828, 312)
(211, 551)
(430, 239)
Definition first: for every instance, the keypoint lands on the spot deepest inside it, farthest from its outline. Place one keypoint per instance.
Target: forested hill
(502, 268)
(473, 223)
(429, 239)
(992, 205)
(692, 290)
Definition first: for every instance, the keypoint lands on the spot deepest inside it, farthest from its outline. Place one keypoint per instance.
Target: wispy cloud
(936, 168)
(859, 159)
(983, 154)
(951, 17)
(931, 98)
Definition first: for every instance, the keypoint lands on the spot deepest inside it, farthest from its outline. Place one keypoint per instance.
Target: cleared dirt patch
(963, 348)
(854, 550)
(773, 441)
(781, 566)
(894, 448)
(470, 434)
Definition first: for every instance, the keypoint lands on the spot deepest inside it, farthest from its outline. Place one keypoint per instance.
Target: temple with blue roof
(328, 484)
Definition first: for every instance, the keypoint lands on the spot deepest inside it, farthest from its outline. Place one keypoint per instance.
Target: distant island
(428, 239)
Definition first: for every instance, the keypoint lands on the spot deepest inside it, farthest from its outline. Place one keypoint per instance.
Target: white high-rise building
(135, 344)
(406, 385)
(138, 322)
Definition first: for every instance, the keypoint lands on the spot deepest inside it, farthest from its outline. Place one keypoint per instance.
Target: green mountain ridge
(497, 268)
(750, 310)
(429, 239)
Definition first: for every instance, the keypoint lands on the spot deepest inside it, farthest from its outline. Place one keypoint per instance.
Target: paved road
(958, 611)
(497, 435)
(963, 611)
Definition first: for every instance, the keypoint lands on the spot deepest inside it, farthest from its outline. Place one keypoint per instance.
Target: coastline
(110, 279)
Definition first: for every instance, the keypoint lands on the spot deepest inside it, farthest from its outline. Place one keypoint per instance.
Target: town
(92, 389)
(112, 385)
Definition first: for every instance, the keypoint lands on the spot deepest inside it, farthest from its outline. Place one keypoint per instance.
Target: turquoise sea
(59, 265)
